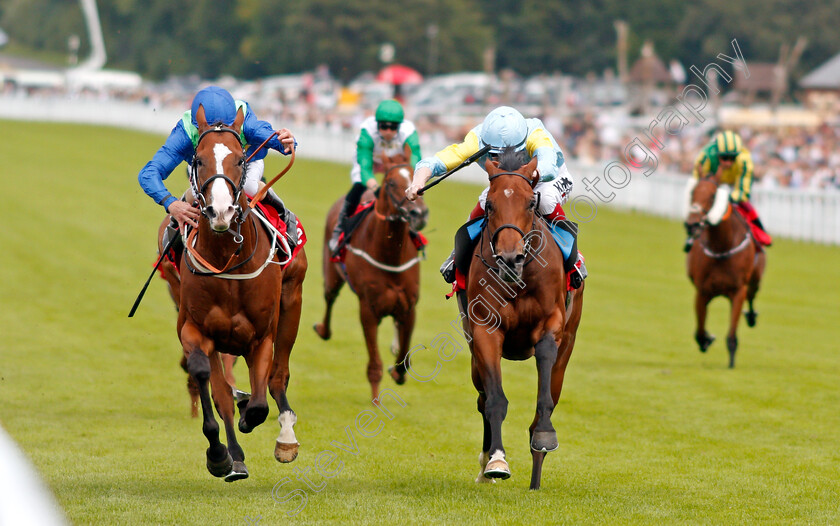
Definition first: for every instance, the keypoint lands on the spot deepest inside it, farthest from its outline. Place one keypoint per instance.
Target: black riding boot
(273, 200)
(351, 201)
(447, 270)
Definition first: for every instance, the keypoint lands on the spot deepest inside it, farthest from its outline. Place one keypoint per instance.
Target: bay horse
(723, 260)
(382, 268)
(234, 298)
(516, 306)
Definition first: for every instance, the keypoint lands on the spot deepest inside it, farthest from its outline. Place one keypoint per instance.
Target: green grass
(651, 430)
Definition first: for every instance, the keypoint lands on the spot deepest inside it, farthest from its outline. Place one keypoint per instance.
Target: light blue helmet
(503, 127)
(219, 106)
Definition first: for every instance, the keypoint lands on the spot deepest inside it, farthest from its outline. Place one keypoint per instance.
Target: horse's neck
(217, 248)
(726, 234)
(387, 238)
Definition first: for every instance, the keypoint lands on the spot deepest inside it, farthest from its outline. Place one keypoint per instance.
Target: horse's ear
(531, 171)
(407, 152)
(240, 118)
(491, 166)
(200, 119)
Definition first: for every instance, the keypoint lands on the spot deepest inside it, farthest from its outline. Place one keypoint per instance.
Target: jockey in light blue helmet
(506, 127)
(503, 127)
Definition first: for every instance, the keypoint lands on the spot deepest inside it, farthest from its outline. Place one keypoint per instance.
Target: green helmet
(389, 111)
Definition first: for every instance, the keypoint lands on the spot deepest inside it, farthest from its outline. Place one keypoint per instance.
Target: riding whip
(142, 292)
(471, 159)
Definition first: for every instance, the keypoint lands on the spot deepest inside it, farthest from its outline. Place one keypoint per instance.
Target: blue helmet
(218, 106)
(503, 127)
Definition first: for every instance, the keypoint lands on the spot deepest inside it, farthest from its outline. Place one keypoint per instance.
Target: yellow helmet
(728, 143)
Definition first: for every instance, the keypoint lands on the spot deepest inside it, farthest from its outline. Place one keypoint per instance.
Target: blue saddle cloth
(564, 238)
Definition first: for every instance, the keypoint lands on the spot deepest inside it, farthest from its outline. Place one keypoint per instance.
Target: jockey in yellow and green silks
(726, 157)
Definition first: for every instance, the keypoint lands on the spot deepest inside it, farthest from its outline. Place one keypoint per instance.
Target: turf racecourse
(651, 431)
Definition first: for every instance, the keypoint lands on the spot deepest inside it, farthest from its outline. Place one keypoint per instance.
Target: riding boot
(689, 242)
(351, 201)
(273, 200)
(171, 233)
(447, 270)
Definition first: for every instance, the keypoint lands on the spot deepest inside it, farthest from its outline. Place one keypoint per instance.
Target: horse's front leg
(484, 456)
(370, 325)
(223, 397)
(259, 361)
(286, 445)
(737, 301)
(404, 328)
(703, 338)
(542, 433)
(219, 461)
(487, 353)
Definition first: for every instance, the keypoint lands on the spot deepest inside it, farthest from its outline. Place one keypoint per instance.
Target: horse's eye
(241, 162)
(198, 162)
(488, 207)
(532, 204)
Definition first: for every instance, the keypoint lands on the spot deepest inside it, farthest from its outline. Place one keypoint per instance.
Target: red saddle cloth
(761, 237)
(417, 238)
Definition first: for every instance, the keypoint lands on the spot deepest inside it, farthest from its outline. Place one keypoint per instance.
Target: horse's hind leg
(542, 434)
(259, 367)
(752, 289)
(333, 281)
(286, 446)
(737, 301)
(223, 397)
(192, 388)
(703, 338)
(219, 461)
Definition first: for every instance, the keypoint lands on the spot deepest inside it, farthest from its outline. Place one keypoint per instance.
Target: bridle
(241, 213)
(402, 213)
(525, 237)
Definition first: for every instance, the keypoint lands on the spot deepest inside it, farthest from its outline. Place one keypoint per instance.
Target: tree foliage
(252, 38)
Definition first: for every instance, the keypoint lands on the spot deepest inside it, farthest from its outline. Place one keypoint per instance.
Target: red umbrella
(397, 74)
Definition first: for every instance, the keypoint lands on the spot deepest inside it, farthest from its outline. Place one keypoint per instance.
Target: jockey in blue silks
(219, 107)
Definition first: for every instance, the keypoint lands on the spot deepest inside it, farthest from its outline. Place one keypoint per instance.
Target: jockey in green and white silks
(387, 132)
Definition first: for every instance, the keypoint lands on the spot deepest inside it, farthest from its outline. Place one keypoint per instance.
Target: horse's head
(218, 171)
(511, 209)
(707, 202)
(397, 178)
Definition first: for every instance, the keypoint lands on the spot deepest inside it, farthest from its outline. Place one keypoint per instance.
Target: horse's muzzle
(510, 266)
(417, 218)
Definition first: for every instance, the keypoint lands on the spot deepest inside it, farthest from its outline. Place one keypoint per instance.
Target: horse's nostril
(210, 211)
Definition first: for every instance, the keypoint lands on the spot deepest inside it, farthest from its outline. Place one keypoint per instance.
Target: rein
(729, 253)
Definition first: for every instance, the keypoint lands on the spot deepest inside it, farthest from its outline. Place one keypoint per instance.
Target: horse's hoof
(321, 331)
(242, 398)
(544, 441)
(286, 452)
(219, 468)
(497, 469)
(253, 416)
(238, 472)
(399, 378)
(705, 342)
(751, 317)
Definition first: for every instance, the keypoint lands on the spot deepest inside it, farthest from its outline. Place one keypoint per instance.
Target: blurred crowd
(791, 157)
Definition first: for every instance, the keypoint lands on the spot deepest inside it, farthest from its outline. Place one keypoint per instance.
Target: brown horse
(382, 268)
(234, 298)
(723, 260)
(516, 307)
(170, 274)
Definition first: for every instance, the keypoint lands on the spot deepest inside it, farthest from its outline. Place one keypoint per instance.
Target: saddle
(353, 222)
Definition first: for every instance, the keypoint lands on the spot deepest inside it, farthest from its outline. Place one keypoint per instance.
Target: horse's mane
(510, 159)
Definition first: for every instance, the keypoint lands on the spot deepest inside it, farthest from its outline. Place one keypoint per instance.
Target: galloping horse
(381, 267)
(516, 307)
(723, 260)
(235, 299)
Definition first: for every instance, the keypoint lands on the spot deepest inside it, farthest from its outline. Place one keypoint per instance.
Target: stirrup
(447, 270)
(688, 244)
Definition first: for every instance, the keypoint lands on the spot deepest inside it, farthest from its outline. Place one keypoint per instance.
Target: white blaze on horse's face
(405, 173)
(221, 198)
(508, 192)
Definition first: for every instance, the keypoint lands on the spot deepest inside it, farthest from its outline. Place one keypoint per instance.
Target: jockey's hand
(286, 139)
(420, 177)
(184, 213)
(372, 184)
